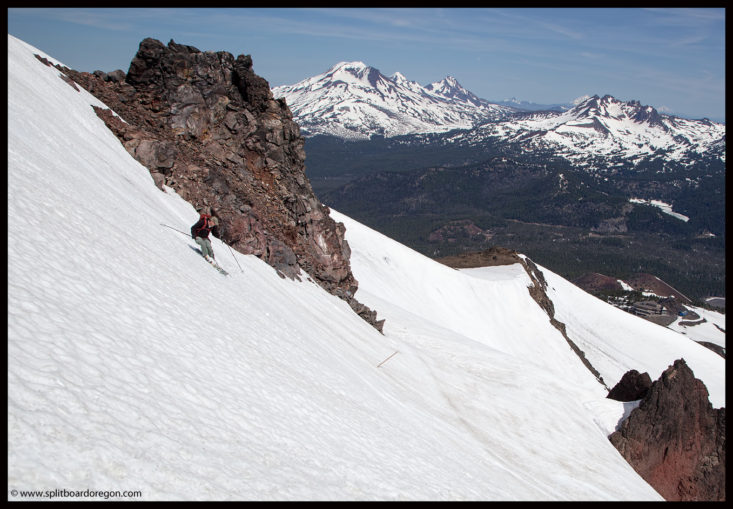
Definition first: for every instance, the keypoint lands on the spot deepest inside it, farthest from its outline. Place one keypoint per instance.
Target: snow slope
(615, 341)
(710, 327)
(134, 365)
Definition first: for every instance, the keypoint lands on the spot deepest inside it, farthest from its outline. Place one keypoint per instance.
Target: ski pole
(179, 231)
(235, 258)
(388, 358)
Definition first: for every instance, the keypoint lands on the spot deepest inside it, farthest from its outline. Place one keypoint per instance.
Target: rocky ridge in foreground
(207, 126)
(675, 439)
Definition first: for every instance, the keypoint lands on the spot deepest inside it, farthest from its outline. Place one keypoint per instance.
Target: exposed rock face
(539, 294)
(632, 386)
(206, 125)
(715, 348)
(675, 439)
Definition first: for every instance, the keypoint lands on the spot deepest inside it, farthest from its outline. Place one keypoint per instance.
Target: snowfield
(709, 327)
(665, 207)
(134, 365)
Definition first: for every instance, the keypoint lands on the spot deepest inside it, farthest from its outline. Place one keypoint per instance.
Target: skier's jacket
(203, 227)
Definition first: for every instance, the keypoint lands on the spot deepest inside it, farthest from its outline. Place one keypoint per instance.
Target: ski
(218, 267)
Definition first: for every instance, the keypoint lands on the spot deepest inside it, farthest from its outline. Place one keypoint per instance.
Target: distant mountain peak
(582, 99)
(449, 83)
(450, 80)
(606, 127)
(354, 100)
(610, 107)
(354, 65)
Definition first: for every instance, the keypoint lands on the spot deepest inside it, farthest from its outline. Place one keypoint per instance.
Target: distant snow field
(625, 286)
(710, 327)
(134, 365)
(665, 207)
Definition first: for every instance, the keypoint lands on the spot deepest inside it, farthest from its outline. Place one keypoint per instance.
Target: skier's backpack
(205, 226)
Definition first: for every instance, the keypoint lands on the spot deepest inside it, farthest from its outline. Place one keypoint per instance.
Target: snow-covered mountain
(137, 371)
(353, 100)
(604, 127)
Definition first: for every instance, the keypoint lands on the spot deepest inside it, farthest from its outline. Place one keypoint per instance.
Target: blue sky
(672, 59)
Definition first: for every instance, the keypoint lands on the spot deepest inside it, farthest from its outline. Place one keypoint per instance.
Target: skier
(200, 233)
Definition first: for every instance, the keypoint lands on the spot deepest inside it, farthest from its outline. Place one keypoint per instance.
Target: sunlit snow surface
(709, 327)
(665, 207)
(134, 365)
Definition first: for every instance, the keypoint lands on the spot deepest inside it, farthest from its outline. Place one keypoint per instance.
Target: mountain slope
(604, 127)
(353, 100)
(390, 275)
(133, 365)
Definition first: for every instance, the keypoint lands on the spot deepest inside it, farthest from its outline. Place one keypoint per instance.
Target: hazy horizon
(672, 59)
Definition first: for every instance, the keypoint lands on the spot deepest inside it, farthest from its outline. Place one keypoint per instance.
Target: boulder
(632, 386)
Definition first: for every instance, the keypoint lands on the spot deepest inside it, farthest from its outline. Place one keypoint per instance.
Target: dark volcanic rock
(632, 386)
(675, 439)
(538, 292)
(206, 125)
(715, 348)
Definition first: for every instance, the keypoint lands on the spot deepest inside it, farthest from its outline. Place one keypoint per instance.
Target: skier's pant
(205, 246)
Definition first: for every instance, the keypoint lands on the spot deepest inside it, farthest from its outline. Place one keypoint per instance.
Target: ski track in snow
(134, 365)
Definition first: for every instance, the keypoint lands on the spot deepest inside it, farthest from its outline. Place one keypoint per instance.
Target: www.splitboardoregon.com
(64, 493)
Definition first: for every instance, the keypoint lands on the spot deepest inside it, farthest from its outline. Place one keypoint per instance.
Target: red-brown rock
(675, 439)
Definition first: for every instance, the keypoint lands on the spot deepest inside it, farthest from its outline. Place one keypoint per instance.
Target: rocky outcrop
(675, 439)
(715, 348)
(632, 386)
(538, 292)
(207, 126)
